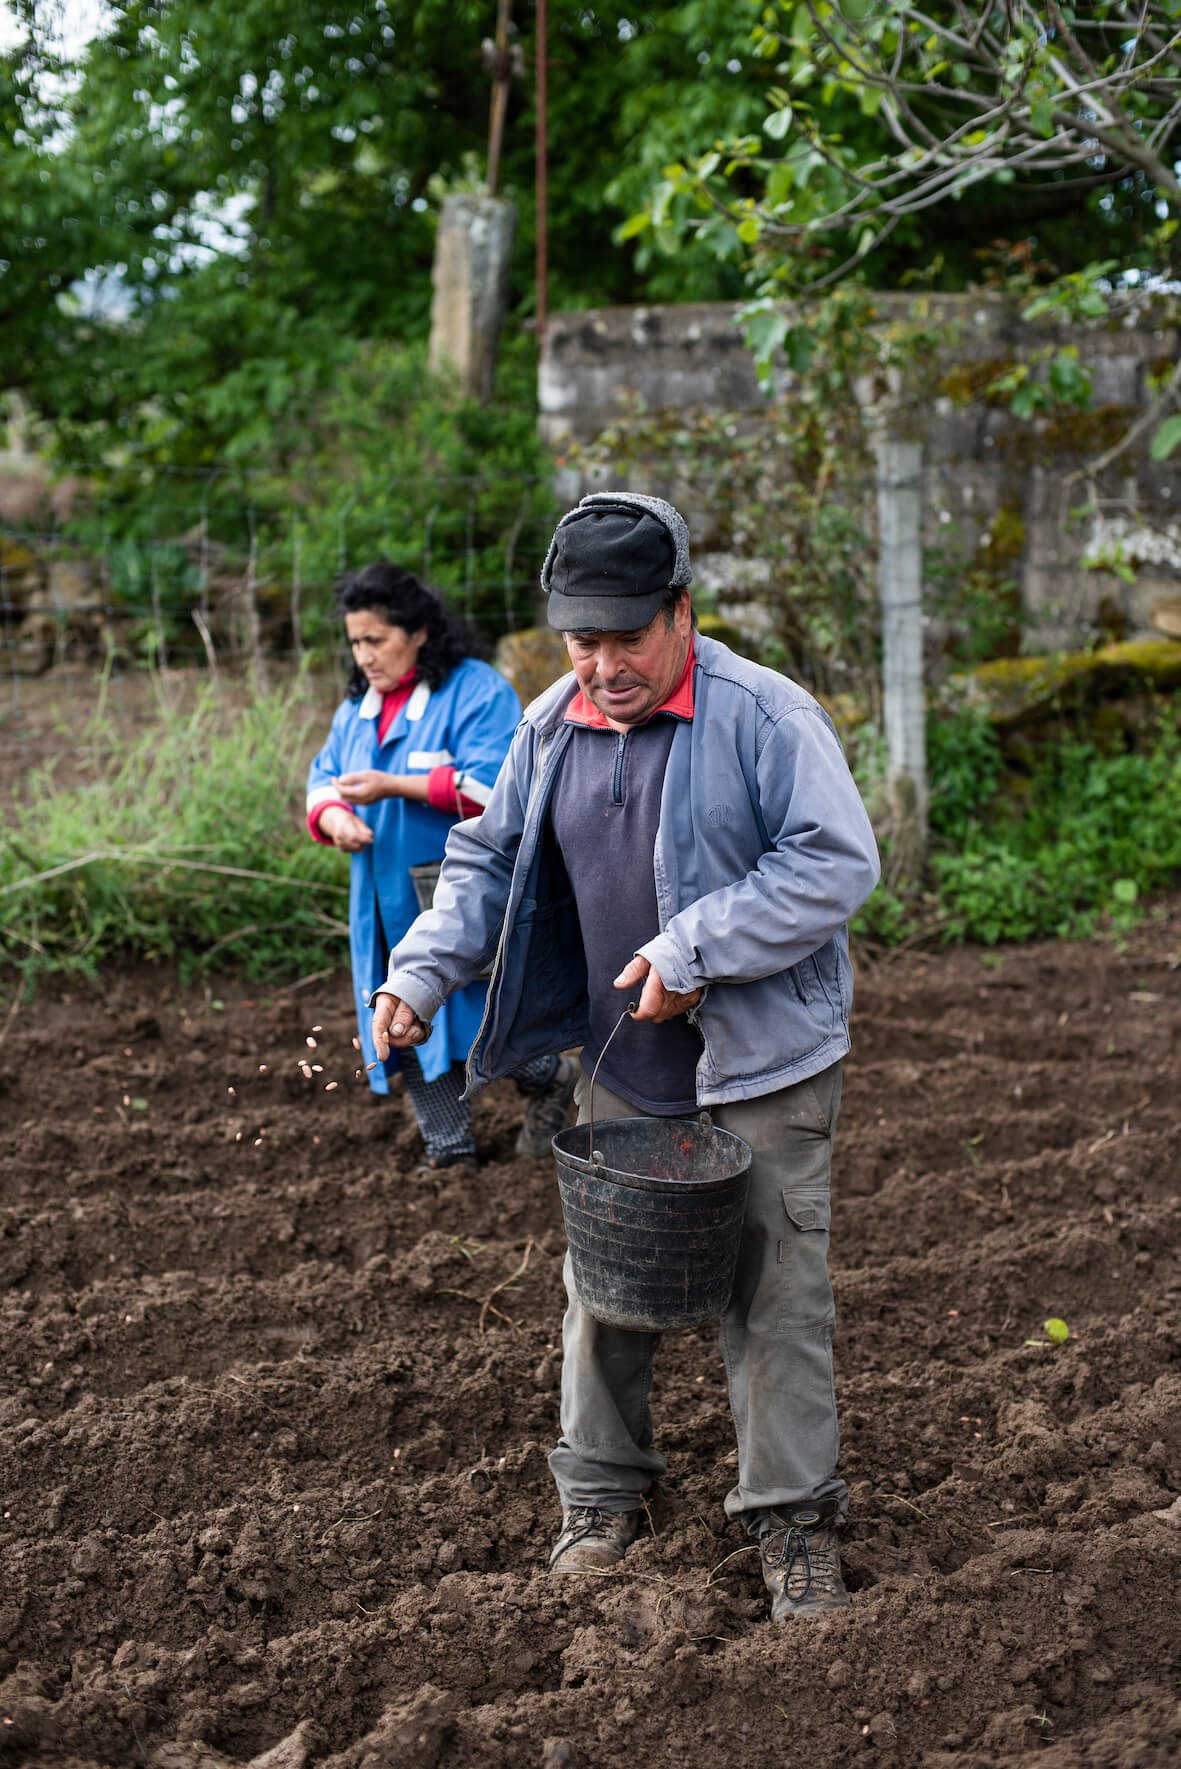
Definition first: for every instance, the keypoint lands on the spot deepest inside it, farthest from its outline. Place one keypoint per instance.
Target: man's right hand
(397, 1024)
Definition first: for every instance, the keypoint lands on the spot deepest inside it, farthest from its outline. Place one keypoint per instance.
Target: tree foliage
(901, 138)
(205, 216)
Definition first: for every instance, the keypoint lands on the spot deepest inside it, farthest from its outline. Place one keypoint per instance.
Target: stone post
(471, 278)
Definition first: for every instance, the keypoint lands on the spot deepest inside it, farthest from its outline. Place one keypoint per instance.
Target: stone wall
(984, 471)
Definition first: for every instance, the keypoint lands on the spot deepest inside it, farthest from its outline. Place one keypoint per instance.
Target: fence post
(900, 588)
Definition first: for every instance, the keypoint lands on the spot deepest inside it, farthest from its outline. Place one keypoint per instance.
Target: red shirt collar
(392, 702)
(582, 711)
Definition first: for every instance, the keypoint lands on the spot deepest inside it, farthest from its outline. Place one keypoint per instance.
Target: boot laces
(583, 1521)
(807, 1557)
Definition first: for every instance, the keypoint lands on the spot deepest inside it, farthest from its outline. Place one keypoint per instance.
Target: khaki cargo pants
(776, 1336)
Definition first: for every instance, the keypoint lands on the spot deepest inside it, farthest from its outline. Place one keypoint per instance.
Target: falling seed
(315, 1139)
(331, 1086)
(356, 1044)
(397, 1453)
(233, 1092)
(262, 1068)
(369, 1066)
(317, 1068)
(357, 1073)
(311, 1043)
(126, 1099)
(258, 1142)
(237, 1136)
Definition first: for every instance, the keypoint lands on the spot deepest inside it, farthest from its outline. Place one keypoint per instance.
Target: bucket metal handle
(596, 1154)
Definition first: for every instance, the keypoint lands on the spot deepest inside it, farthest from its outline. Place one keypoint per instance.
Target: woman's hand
(344, 829)
(366, 786)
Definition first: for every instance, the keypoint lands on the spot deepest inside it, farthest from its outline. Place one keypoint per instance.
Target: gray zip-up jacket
(763, 852)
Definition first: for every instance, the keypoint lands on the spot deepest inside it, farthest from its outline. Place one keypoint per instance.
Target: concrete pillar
(471, 280)
(900, 588)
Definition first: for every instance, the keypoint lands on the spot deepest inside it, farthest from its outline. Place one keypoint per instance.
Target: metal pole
(541, 54)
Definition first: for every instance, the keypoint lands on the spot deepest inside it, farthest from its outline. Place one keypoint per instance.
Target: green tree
(222, 198)
(901, 138)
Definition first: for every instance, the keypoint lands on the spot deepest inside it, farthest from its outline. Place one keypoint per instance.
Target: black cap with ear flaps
(611, 562)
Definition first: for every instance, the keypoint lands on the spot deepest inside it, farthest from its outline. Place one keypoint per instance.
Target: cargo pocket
(805, 1289)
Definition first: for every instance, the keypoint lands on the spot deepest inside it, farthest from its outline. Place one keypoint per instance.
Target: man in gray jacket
(676, 821)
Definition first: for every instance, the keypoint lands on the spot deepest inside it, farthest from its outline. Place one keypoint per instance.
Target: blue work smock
(468, 723)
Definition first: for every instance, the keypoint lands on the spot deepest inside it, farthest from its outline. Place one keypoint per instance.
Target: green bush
(1071, 845)
(1092, 834)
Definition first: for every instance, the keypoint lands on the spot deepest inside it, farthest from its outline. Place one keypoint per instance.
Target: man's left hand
(656, 1002)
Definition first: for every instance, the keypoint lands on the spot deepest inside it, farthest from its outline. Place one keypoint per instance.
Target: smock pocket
(805, 1291)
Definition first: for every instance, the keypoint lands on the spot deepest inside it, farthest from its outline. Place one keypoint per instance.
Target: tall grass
(190, 844)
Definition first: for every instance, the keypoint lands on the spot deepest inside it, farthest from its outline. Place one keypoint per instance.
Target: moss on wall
(1023, 691)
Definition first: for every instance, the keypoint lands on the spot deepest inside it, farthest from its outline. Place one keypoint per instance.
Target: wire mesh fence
(202, 578)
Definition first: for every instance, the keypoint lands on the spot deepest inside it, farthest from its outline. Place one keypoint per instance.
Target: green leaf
(1125, 890)
(635, 224)
(765, 332)
(778, 123)
(1069, 381)
(1166, 438)
(1041, 116)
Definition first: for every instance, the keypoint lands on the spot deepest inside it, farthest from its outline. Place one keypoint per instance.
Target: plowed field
(275, 1415)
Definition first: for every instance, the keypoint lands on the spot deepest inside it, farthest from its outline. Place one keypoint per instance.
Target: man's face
(627, 675)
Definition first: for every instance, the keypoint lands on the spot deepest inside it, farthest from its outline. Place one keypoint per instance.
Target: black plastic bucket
(653, 1209)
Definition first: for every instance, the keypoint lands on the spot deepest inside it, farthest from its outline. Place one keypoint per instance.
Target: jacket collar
(371, 700)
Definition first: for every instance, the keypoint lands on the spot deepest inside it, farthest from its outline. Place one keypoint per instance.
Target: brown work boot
(802, 1563)
(593, 1540)
(547, 1111)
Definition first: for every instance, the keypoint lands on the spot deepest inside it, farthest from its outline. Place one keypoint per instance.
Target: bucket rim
(580, 1163)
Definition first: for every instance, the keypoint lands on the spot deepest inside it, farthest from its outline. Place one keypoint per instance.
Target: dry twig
(504, 1283)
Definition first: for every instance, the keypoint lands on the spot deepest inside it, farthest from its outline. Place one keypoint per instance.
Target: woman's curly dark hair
(397, 595)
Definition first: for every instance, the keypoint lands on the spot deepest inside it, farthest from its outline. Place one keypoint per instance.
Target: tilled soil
(273, 1486)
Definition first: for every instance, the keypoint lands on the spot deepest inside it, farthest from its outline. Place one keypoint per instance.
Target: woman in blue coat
(417, 745)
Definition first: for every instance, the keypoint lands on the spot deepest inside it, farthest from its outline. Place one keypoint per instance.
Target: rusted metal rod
(541, 54)
(500, 79)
